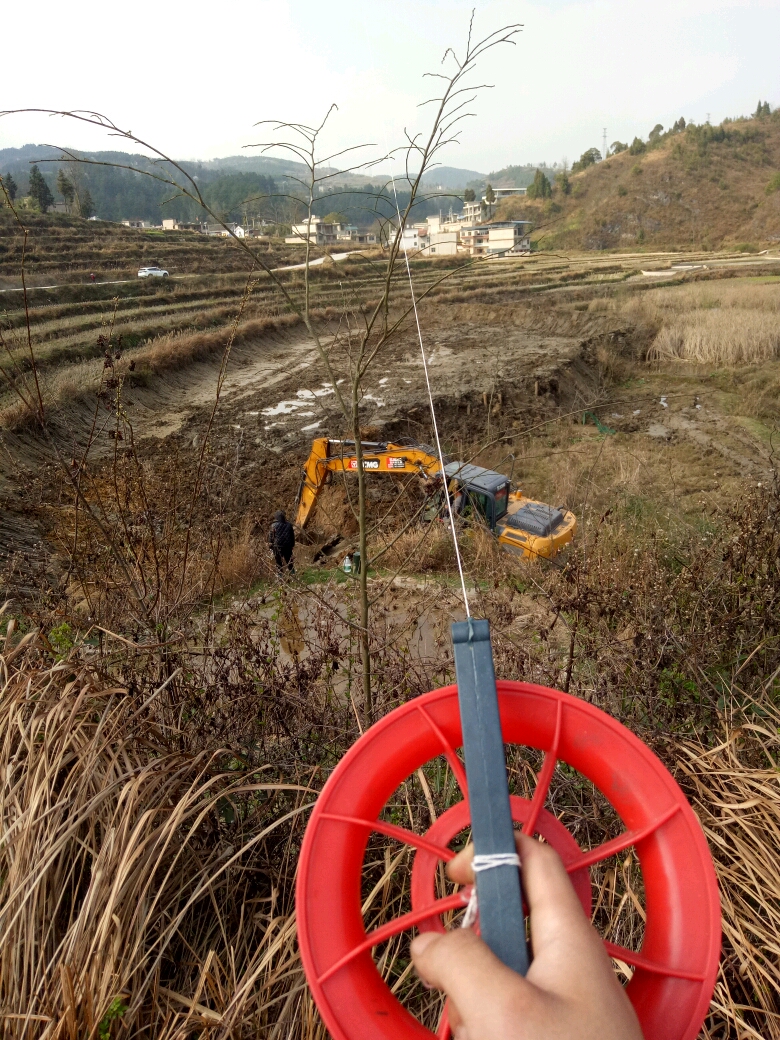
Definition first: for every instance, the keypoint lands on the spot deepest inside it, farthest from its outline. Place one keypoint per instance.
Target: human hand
(570, 991)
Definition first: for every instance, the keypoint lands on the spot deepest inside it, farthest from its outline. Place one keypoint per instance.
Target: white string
(495, 859)
(486, 862)
(430, 401)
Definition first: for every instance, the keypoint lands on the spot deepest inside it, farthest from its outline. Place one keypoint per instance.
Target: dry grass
(713, 323)
(715, 338)
(133, 897)
(140, 894)
(735, 790)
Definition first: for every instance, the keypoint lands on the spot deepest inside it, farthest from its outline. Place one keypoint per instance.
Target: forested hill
(692, 186)
(123, 186)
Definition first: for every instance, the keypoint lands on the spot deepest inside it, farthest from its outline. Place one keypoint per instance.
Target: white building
(321, 234)
(442, 243)
(507, 237)
(472, 212)
(220, 231)
(413, 239)
(507, 193)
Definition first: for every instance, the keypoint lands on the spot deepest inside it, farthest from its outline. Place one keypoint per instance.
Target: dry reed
(135, 897)
(735, 790)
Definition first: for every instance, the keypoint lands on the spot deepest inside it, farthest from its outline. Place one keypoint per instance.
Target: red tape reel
(675, 970)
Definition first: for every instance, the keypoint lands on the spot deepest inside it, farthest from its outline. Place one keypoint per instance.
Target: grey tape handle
(499, 892)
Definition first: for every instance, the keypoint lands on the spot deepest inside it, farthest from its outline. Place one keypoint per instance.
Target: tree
(563, 183)
(655, 133)
(335, 218)
(589, 158)
(39, 190)
(637, 146)
(618, 146)
(541, 187)
(766, 110)
(468, 195)
(679, 125)
(66, 189)
(490, 195)
(10, 186)
(86, 205)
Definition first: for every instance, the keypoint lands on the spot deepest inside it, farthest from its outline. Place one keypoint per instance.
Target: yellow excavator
(521, 525)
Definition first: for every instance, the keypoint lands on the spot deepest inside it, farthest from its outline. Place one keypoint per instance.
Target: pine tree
(86, 204)
(39, 190)
(490, 195)
(541, 187)
(66, 189)
(766, 110)
(10, 186)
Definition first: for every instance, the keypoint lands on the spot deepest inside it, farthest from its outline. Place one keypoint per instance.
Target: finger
(552, 902)
(562, 937)
(459, 869)
(484, 994)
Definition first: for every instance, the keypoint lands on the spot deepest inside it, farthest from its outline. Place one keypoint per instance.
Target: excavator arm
(329, 456)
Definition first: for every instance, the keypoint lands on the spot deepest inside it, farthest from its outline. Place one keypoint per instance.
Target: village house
(321, 234)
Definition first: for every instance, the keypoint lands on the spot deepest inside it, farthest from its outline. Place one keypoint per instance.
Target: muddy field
(545, 379)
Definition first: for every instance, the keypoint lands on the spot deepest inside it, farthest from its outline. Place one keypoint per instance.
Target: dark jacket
(281, 537)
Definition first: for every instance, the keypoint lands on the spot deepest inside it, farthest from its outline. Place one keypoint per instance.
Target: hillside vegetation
(700, 187)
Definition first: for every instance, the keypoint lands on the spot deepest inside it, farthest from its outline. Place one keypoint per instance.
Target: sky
(195, 83)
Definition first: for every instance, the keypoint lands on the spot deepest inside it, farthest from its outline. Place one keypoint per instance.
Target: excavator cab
(487, 492)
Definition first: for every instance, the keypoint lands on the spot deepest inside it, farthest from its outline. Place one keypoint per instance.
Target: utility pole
(604, 144)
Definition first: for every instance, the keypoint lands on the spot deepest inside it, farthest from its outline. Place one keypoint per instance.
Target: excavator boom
(328, 456)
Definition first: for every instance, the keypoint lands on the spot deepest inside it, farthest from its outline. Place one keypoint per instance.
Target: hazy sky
(195, 87)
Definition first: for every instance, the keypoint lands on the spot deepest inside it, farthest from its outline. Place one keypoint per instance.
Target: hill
(237, 187)
(699, 186)
(520, 176)
(451, 177)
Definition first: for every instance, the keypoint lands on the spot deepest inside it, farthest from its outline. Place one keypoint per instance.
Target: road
(335, 257)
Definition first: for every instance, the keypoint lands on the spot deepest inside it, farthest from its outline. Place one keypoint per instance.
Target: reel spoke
(623, 841)
(455, 763)
(620, 953)
(545, 775)
(457, 901)
(408, 837)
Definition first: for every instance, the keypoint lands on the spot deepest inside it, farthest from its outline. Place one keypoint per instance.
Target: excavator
(522, 525)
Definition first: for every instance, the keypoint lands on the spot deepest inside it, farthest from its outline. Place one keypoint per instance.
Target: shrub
(774, 184)
(636, 170)
(622, 189)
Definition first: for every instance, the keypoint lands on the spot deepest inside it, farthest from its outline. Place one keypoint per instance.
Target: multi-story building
(499, 237)
(321, 234)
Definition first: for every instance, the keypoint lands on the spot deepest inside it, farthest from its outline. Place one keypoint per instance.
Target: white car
(152, 272)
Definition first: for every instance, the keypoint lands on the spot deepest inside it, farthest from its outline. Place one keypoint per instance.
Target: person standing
(281, 539)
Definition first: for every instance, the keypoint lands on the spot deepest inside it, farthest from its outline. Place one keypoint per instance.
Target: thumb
(484, 994)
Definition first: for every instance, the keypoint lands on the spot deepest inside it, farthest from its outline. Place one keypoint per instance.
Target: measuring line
(430, 401)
